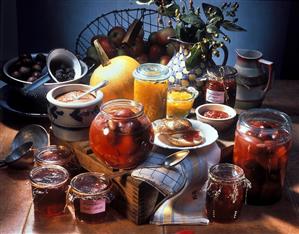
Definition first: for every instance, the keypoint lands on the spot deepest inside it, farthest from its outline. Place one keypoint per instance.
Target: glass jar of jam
(91, 196)
(58, 155)
(121, 135)
(150, 89)
(226, 192)
(262, 144)
(49, 185)
(221, 85)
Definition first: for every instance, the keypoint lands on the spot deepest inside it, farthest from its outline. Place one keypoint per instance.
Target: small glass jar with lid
(221, 85)
(150, 89)
(49, 184)
(226, 192)
(91, 195)
(58, 155)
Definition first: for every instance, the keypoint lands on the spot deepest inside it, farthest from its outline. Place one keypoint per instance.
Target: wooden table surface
(17, 216)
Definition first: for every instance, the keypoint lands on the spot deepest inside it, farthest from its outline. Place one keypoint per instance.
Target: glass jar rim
(102, 178)
(179, 88)
(120, 103)
(265, 114)
(226, 173)
(221, 71)
(47, 185)
(151, 72)
(41, 151)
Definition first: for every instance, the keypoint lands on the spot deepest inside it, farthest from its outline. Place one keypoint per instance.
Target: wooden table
(17, 216)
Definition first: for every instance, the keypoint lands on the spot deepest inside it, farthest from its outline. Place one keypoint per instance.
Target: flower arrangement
(207, 36)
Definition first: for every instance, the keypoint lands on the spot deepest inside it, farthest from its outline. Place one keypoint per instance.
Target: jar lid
(226, 173)
(90, 184)
(48, 176)
(221, 72)
(54, 154)
(151, 72)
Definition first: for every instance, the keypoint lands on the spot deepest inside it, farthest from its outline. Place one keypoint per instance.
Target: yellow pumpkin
(119, 74)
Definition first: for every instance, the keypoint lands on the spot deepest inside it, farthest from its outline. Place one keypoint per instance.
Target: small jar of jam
(221, 85)
(226, 192)
(49, 185)
(121, 135)
(91, 196)
(262, 143)
(58, 155)
(150, 89)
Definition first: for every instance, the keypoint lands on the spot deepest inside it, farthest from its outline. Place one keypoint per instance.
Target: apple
(116, 35)
(155, 52)
(124, 50)
(108, 47)
(165, 59)
(172, 48)
(152, 38)
(143, 58)
(164, 34)
(137, 47)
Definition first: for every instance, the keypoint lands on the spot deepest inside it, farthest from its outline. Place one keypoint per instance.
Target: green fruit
(92, 53)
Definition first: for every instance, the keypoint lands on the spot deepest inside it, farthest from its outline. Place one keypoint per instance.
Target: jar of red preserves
(221, 85)
(121, 135)
(226, 192)
(262, 144)
(58, 155)
(91, 195)
(49, 184)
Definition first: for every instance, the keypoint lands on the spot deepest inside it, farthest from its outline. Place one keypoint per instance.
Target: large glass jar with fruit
(150, 89)
(262, 143)
(121, 135)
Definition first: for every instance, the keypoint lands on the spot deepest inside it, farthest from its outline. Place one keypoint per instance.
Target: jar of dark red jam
(91, 195)
(121, 135)
(226, 192)
(221, 85)
(262, 144)
(58, 155)
(49, 185)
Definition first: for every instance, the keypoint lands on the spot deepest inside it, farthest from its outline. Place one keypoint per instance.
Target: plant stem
(101, 53)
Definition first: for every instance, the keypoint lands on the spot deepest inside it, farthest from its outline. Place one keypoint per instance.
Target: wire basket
(152, 21)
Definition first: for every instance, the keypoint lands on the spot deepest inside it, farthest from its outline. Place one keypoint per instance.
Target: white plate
(209, 134)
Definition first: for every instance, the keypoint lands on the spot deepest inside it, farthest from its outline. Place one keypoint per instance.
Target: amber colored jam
(215, 114)
(92, 196)
(225, 193)
(121, 136)
(263, 152)
(49, 185)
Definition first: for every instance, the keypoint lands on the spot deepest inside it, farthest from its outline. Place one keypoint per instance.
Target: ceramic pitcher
(252, 82)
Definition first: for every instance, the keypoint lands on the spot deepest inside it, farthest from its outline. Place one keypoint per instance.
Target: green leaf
(212, 11)
(193, 19)
(169, 10)
(230, 26)
(215, 20)
(194, 57)
(199, 34)
(179, 30)
(211, 28)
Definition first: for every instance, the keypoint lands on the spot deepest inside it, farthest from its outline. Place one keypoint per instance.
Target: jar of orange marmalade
(150, 89)
(91, 195)
(221, 85)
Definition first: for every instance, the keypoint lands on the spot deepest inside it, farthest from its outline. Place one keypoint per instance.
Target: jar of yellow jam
(180, 101)
(150, 89)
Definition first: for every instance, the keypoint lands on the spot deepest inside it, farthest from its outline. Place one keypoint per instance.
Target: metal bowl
(31, 133)
(38, 96)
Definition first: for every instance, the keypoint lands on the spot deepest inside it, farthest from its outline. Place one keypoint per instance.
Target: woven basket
(102, 24)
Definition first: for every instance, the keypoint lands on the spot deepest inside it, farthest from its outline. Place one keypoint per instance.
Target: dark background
(42, 25)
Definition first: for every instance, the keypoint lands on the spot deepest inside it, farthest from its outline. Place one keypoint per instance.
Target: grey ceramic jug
(252, 81)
